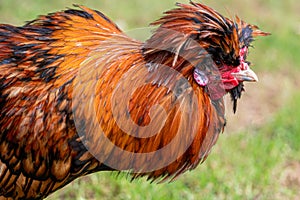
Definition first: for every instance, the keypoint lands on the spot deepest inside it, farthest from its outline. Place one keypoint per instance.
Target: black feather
(236, 94)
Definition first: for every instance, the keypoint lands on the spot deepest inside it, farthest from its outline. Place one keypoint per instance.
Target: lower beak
(245, 75)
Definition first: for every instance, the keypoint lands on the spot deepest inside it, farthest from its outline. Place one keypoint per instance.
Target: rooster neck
(173, 49)
(182, 53)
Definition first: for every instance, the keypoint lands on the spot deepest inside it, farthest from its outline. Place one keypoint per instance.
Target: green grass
(252, 164)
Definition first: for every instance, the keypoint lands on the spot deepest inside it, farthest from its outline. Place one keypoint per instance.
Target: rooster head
(226, 42)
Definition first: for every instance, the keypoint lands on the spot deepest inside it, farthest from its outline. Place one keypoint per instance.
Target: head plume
(214, 32)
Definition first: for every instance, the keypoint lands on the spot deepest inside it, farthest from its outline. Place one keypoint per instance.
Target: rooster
(77, 95)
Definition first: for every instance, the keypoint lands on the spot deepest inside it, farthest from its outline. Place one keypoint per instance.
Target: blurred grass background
(258, 156)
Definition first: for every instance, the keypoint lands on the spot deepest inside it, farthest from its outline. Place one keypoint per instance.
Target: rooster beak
(246, 75)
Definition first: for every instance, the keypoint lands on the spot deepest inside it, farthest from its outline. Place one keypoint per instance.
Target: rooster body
(52, 66)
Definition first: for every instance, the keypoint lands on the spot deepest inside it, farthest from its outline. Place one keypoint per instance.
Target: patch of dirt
(261, 100)
(291, 175)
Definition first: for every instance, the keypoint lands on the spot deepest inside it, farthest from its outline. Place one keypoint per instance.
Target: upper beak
(245, 75)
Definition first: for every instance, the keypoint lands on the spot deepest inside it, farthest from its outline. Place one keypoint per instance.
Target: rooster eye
(218, 63)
